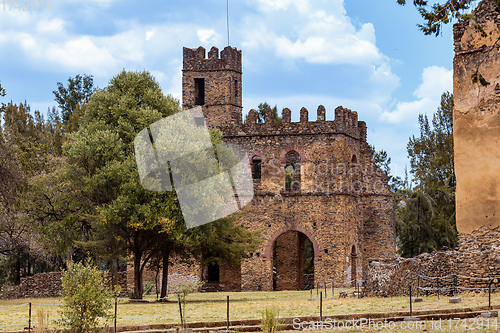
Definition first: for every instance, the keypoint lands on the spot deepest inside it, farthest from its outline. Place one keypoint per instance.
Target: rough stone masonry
(313, 181)
(476, 119)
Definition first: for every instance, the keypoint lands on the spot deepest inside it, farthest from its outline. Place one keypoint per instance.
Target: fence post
(333, 289)
(418, 285)
(29, 318)
(228, 313)
(326, 296)
(321, 306)
(411, 309)
(180, 309)
(489, 295)
(437, 284)
(317, 289)
(116, 312)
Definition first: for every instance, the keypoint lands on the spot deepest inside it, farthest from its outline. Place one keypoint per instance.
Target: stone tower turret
(213, 83)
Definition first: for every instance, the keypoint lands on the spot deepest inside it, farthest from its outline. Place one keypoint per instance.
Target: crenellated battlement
(346, 122)
(196, 60)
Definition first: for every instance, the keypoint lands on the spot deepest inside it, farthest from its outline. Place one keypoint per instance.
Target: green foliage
(261, 113)
(383, 161)
(184, 289)
(2, 91)
(270, 320)
(148, 287)
(289, 175)
(479, 28)
(308, 257)
(426, 214)
(476, 76)
(73, 97)
(86, 297)
(438, 14)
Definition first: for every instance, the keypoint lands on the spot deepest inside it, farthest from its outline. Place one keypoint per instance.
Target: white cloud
(50, 27)
(150, 34)
(208, 36)
(81, 53)
(315, 31)
(273, 5)
(435, 81)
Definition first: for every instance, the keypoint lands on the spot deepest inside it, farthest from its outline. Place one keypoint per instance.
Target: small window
(256, 167)
(235, 88)
(289, 173)
(354, 161)
(199, 91)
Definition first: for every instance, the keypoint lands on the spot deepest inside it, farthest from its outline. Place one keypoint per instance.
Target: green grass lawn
(243, 305)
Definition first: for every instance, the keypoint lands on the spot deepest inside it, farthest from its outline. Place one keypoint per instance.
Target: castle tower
(476, 119)
(213, 83)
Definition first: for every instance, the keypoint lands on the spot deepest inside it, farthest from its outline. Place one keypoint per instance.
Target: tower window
(199, 91)
(256, 167)
(235, 88)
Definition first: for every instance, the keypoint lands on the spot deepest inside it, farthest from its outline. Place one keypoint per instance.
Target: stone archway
(293, 254)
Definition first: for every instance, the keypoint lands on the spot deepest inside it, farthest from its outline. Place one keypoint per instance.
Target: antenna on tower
(227, 20)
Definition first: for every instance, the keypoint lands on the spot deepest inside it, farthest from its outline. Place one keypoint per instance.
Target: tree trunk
(164, 278)
(137, 276)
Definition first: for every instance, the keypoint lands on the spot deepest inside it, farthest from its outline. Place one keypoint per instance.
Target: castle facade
(322, 205)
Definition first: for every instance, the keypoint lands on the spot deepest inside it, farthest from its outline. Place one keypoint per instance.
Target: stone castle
(319, 197)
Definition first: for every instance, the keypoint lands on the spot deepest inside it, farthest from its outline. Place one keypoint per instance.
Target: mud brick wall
(476, 119)
(477, 256)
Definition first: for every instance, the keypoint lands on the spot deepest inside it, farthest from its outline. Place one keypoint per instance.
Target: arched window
(292, 171)
(256, 167)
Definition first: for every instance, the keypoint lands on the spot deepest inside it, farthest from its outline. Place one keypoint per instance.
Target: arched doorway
(293, 261)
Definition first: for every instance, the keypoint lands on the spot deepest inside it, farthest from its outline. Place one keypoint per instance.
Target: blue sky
(368, 56)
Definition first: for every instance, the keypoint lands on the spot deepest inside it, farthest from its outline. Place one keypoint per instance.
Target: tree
(426, 214)
(127, 217)
(72, 98)
(383, 161)
(438, 14)
(86, 297)
(26, 142)
(261, 113)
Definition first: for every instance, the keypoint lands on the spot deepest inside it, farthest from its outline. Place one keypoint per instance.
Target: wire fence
(29, 324)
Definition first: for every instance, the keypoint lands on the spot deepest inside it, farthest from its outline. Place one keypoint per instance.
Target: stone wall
(180, 271)
(49, 285)
(340, 199)
(477, 256)
(476, 119)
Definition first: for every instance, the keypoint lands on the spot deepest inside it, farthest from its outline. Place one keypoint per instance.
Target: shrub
(42, 321)
(148, 287)
(86, 297)
(184, 289)
(270, 320)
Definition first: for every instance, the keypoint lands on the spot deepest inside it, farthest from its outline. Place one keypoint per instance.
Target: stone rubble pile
(477, 256)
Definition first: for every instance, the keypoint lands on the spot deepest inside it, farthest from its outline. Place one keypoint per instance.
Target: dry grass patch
(243, 305)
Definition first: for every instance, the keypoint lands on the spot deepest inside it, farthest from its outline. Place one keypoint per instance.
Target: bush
(86, 297)
(270, 320)
(148, 287)
(184, 289)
